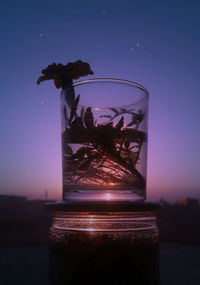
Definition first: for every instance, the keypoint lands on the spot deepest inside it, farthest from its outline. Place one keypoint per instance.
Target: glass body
(104, 140)
(108, 248)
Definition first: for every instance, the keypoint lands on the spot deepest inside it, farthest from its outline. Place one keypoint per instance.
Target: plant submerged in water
(106, 155)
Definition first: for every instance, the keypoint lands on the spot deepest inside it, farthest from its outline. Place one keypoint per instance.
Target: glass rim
(118, 80)
(99, 223)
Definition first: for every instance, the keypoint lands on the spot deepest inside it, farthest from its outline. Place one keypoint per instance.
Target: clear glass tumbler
(104, 140)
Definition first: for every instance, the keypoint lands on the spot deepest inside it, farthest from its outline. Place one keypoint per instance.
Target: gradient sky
(155, 43)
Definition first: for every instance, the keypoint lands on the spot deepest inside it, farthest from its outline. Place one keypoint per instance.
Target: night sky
(155, 43)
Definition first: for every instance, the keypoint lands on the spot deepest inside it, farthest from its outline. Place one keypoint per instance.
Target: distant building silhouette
(13, 197)
(163, 202)
(187, 202)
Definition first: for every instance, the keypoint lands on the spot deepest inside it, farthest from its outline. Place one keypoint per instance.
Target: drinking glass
(104, 140)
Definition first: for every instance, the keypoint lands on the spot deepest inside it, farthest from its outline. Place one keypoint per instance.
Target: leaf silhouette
(65, 113)
(80, 153)
(67, 149)
(120, 124)
(133, 121)
(65, 116)
(74, 108)
(89, 118)
(140, 116)
(114, 110)
(127, 144)
(82, 112)
(77, 123)
(106, 116)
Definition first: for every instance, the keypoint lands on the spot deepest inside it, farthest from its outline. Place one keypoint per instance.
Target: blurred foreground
(179, 264)
(24, 253)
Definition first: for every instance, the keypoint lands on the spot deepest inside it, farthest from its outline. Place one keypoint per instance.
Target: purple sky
(155, 43)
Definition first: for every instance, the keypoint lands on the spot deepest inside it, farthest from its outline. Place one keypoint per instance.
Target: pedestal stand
(104, 243)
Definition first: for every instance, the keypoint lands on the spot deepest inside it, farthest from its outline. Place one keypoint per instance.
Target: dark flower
(63, 74)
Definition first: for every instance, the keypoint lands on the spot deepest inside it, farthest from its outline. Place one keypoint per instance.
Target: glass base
(104, 195)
